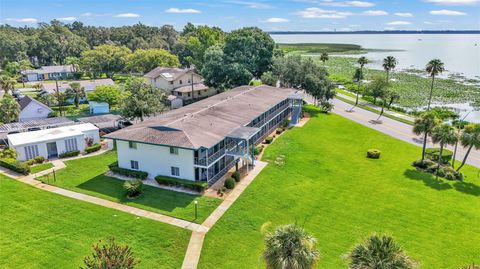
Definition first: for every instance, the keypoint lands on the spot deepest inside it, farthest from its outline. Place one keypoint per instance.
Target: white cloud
(454, 2)
(127, 15)
(87, 14)
(347, 4)
(404, 14)
(23, 20)
(375, 13)
(447, 12)
(182, 11)
(399, 23)
(248, 4)
(317, 13)
(66, 19)
(275, 20)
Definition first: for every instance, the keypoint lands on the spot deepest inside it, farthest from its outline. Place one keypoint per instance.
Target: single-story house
(174, 101)
(49, 143)
(31, 109)
(88, 85)
(202, 141)
(48, 72)
(105, 122)
(31, 125)
(98, 107)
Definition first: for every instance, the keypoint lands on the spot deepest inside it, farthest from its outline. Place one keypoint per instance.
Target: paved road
(395, 129)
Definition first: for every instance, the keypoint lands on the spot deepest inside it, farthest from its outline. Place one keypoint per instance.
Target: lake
(459, 52)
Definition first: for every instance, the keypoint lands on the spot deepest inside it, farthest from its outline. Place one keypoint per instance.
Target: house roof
(168, 73)
(49, 134)
(50, 69)
(102, 121)
(26, 100)
(89, 85)
(37, 123)
(206, 122)
(188, 88)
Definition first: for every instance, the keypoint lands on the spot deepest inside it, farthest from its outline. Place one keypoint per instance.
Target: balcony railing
(211, 159)
(271, 115)
(221, 173)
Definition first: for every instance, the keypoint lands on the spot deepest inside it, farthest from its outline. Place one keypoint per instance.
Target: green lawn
(86, 175)
(44, 230)
(328, 186)
(40, 167)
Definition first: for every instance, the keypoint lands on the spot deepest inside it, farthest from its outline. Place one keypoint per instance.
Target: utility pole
(192, 68)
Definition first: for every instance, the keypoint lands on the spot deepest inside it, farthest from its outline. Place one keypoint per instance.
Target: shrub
(258, 150)
(29, 162)
(110, 255)
(39, 159)
(198, 186)
(459, 176)
(423, 164)
(15, 165)
(134, 187)
(450, 176)
(236, 176)
(88, 141)
(441, 172)
(432, 168)
(229, 183)
(285, 123)
(373, 153)
(93, 148)
(9, 153)
(279, 131)
(129, 173)
(268, 140)
(67, 154)
(432, 154)
(471, 266)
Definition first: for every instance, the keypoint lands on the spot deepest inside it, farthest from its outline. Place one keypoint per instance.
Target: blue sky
(322, 15)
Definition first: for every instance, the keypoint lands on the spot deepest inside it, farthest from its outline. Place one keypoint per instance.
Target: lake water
(457, 51)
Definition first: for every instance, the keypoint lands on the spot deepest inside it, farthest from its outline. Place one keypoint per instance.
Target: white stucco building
(202, 141)
(31, 109)
(49, 143)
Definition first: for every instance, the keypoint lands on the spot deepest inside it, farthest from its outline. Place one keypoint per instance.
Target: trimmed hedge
(236, 176)
(129, 173)
(93, 148)
(67, 154)
(258, 150)
(268, 140)
(229, 183)
(15, 165)
(39, 159)
(198, 186)
(432, 154)
(373, 153)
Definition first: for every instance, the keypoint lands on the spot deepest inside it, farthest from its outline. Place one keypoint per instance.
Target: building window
(199, 93)
(180, 82)
(71, 144)
(189, 81)
(175, 171)
(173, 150)
(31, 152)
(134, 165)
(171, 82)
(188, 94)
(132, 145)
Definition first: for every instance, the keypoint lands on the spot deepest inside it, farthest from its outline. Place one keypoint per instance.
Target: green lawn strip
(328, 186)
(374, 110)
(45, 230)
(40, 167)
(86, 176)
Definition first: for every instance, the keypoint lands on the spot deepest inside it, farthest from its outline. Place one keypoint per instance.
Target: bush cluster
(129, 173)
(67, 154)
(236, 176)
(93, 148)
(229, 183)
(445, 171)
(433, 153)
(198, 186)
(15, 165)
(39, 159)
(279, 131)
(258, 150)
(268, 140)
(133, 188)
(373, 153)
(29, 162)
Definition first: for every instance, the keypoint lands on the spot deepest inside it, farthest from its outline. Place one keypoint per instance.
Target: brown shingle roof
(206, 122)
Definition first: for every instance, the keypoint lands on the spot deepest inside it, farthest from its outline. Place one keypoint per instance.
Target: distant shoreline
(372, 32)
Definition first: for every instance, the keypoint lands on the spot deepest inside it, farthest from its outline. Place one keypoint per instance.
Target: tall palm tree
(459, 126)
(290, 247)
(389, 64)
(77, 91)
(7, 84)
(443, 134)
(379, 252)
(434, 67)
(424, 125)
(362, 61)
(357, 77)
(470, 138)
(324, 57)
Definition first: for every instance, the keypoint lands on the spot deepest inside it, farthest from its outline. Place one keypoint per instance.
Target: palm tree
(470, 138)
(358, 76)
(443, 134)
(389, 64)
(7, 84)
(379, 252)
(434, 67)
(459, 125)
(424, 125)
(9, 109)
(77, 91)
(324, 57)
(362, 61)
(290, 247)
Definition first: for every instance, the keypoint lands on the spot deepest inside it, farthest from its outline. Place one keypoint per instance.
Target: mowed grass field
(86, 175)
(328, 186)
(43, 230)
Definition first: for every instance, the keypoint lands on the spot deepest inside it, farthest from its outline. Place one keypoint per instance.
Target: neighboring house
(50, 143)
(183, 83)
(31, 125)
(48, 73)
(88, 85)
(105, 122)
(174, 101)
(31, 109)
(204, 140)
(98, 107)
